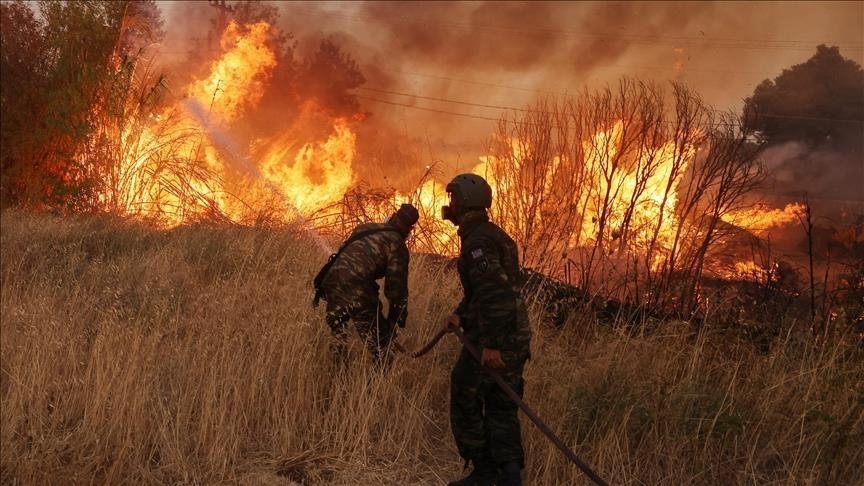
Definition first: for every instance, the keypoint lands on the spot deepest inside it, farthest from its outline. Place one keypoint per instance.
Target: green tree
(819, 102)
(83, 56)
(24, 64)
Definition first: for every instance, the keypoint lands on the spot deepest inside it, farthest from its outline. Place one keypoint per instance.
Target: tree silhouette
(819, 102)
(329, 75)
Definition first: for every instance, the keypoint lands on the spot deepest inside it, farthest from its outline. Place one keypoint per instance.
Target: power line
(556, 91)
(516, 109)
(445, 100)
(466, 115)
(524, 110)
(479, 117)
(815, 118)
(467, 81)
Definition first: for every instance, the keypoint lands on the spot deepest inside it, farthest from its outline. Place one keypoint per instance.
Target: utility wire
(467, 81)
(478, 117)
(625, 70)
(466, 115)
(815, 118)
(445, 100)
(524, 110)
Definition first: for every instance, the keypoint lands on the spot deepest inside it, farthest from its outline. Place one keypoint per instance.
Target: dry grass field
(193, 356)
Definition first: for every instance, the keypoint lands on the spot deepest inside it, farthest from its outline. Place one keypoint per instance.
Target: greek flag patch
(478, 253)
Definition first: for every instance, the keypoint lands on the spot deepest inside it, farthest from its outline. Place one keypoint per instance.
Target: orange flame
(173, 167)
(237, 79)
(321, 173)
(760, 218)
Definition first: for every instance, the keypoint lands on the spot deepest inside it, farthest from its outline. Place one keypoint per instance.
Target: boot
(483, 474)
(511, 474)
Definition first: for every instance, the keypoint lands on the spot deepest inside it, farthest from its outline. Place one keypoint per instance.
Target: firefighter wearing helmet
(493, 316)
(348, 284)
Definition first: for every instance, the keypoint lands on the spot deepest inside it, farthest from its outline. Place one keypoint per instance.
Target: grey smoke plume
(827, 175)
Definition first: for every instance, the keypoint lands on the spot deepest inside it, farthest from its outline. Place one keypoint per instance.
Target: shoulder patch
(477, 254)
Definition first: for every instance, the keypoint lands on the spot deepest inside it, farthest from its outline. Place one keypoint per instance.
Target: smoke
(523, 36)
(828, 175)
(510, 53)
(833, 182)
(507, 54)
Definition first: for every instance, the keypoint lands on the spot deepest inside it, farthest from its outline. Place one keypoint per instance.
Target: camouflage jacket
(492, 310)
(351, 281)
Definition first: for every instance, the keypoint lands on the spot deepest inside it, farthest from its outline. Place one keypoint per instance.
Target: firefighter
(493, 317)
(372, 251)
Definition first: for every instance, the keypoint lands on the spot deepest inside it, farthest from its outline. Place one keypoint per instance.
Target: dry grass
(131, 355)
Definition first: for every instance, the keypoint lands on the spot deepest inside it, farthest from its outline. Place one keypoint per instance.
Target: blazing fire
(621, 203)
(320, 174)
(236, 81)
(186, 162)
(760, 218)
(655, 203)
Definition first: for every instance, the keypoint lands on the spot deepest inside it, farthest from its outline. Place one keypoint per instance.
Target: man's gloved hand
(492, 359)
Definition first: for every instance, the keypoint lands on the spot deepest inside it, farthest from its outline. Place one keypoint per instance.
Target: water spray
(226, 146)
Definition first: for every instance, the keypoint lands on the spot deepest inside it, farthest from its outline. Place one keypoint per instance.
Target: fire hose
(513, 396)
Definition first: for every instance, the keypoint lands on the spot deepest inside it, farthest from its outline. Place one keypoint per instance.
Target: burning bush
(621, 187)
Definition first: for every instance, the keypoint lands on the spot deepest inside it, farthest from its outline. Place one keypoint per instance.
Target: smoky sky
(571, 42)
(519, 36)
(428, 65)
(509, 53)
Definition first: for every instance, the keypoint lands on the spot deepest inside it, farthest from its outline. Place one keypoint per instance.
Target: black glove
(398, 314)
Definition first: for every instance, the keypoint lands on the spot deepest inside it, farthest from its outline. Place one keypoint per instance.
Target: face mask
(448, 214)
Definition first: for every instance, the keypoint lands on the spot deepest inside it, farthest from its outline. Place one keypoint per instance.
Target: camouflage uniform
(484, 420)
(351, 290)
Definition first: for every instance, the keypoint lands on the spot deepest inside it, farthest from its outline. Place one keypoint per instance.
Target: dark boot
(511, 474)
(484, 474)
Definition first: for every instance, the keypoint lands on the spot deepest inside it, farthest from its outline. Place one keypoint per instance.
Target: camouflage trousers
(372, 326)
(484, 420)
